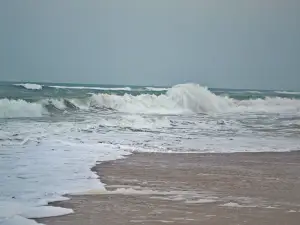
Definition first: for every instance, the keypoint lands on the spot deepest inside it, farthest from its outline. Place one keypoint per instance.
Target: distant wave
(156, 89)
(254, 92)
(288, 92)
(111, 88)
(244, 91)
(30, 86)
(93, 88)
(180, 99)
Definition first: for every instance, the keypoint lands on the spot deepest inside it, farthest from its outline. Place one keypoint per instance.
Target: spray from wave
(180, 99)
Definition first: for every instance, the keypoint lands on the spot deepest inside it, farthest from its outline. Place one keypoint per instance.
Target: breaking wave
(183, 98)
(23, 109)
(180, 99)
(288, 92)
(30, 86)
(20, 108)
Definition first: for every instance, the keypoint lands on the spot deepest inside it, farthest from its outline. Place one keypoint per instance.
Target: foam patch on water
(93, 88)
(237, 205)
(188, 197)
(45, 211)
(126, 191)
(168, 195)
(49, 170)
(16, 213)
(201, 201)
(30, 86)
(288, 92)
(170, 198)
(292, 211)
(18, 220)
(271, 207)
(151, 221)
(136, 122)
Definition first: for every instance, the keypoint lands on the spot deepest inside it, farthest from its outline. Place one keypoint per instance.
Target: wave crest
(288, 92)
(30, 86)
(93, 88)
(183, 98)
(20, 108)
(180, 99)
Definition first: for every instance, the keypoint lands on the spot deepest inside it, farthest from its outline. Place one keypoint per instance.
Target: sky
(216, 43)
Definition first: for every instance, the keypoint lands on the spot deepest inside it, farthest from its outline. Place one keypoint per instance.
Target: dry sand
(209, 189)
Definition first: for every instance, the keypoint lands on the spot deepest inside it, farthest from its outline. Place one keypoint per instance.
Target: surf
(30, 86)
(180, 99)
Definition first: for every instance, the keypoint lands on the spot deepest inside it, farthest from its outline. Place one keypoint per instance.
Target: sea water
(52, 134)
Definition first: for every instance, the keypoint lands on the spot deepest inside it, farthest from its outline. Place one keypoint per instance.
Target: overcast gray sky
(218, 43)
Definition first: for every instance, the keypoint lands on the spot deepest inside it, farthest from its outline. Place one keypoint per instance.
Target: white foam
(151, 221)
(271, 207)
(184, 98)
(20, 213)
(192, 98)
(268, 105)
(125, 191)
(136, 122)
(291, 211)
(138, 191)
(45, 211)
(18, 220)
(41, 173)
(288, 92)
(254, 92)
(236, 205)
(30, 86)
(47, 158)
(94, 88)
(178, 100)
(20, 108)
(201, 201)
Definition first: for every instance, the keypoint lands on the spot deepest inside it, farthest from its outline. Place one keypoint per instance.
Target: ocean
(52, 134)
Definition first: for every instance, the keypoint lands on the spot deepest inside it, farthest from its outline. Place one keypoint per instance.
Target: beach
(189, 154)
(212, 189)
(150, 112)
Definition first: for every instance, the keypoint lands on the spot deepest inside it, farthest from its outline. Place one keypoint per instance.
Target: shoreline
(205, 188)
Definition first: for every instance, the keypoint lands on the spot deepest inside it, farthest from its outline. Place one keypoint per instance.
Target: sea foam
(30, 86)
(20, 108)
(180, 99)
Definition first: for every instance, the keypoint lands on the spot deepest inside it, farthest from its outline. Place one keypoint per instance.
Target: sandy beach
(212, 189)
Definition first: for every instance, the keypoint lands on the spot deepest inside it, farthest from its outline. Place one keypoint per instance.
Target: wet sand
(212, 189)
